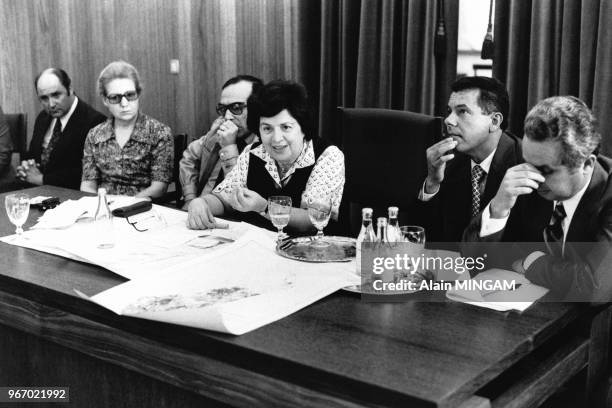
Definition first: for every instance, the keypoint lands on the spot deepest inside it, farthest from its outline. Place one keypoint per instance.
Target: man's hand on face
(215, 125)
(437, 156)
(518, 180)
(227, 133)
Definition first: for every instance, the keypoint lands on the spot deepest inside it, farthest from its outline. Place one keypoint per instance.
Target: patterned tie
(477, 175)
(46, 153)
(553, 233)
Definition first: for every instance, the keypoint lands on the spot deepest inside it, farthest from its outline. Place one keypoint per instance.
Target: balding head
(54, 91)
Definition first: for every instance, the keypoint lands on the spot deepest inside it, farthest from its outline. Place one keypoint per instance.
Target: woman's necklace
(284, 168)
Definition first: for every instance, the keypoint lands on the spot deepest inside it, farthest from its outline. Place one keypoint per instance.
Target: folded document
(498, 289)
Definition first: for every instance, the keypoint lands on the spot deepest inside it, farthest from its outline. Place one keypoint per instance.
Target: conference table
(338, 352)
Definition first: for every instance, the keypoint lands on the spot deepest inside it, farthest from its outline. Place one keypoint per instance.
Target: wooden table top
(428, 352)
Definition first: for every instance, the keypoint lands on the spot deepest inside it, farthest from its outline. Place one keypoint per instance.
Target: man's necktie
(46, 153)
(553, 232)
(477, 175)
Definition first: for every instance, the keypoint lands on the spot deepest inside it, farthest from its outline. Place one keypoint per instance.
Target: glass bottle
(365, 235)
(381, 223)
(104, 222)
(393, 230)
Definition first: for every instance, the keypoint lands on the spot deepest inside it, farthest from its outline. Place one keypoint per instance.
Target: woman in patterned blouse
(288, 161)
(131, 153)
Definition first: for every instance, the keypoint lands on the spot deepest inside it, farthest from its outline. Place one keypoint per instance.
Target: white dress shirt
(63, 121)
(484, 165)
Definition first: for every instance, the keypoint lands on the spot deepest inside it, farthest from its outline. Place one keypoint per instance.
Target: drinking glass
(413, 233)
(414, 238)
(319, 211)
(279, 210)
(17, 209)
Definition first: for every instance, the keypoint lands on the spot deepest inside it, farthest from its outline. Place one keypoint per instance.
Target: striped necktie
(553, 232)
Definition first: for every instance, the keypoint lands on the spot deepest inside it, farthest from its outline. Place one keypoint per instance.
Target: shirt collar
(486, 163)
(571, 203)
(64, 119)
(305, 159)
(139, 133)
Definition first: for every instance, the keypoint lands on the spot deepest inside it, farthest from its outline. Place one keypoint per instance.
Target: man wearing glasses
(207, 160)
(56, 149)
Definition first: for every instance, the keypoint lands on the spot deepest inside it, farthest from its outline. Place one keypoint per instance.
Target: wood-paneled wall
(212, 39)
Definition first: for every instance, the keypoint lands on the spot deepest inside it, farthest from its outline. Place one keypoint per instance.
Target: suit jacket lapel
(458, 195)
(588, 207)
(502, 159)
(39, 135)
(75, 118)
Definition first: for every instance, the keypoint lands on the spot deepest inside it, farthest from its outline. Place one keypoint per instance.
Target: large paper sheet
(164, 246)
(236, 290)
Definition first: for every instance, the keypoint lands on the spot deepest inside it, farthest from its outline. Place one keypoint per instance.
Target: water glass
(414, 238)
(279, 210)
(413, 233)
(319, 211)
(17, 209)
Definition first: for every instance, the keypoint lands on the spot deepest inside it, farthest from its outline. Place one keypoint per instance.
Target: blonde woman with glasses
(131, 153)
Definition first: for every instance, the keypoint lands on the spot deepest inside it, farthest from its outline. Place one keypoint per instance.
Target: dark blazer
(448, 213)
(585, 271)
(65, 167)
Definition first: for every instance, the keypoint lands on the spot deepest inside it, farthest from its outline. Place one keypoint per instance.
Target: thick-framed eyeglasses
(116, 98)
(150, 220)
(236, 108)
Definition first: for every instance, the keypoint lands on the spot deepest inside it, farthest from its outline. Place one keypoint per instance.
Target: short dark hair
(59, 73)
(493, 95)
(274, 97)
(568, 120)
(255, 82)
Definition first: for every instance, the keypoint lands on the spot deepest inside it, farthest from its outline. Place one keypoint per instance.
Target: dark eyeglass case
(129, 210)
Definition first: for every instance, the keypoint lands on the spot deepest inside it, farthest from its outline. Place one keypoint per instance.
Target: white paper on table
(176, 233)
(518, 299)
(136, 254)
(67, 213)
(62, 216)
(236, 291)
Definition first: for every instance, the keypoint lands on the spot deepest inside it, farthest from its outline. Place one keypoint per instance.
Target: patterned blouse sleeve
(163, 156)
(90, 169)
(236, 178)
(326, 179)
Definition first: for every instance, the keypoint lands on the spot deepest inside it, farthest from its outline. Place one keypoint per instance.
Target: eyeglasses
(150, 220)
(116, 98)
(236, 108)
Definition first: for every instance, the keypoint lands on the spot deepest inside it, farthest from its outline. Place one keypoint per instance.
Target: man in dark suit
(465, 169)
(558, 204)
(56, 149)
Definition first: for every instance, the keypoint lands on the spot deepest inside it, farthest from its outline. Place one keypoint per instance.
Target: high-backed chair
(18, 128)
(175, 193)
(385, 159)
